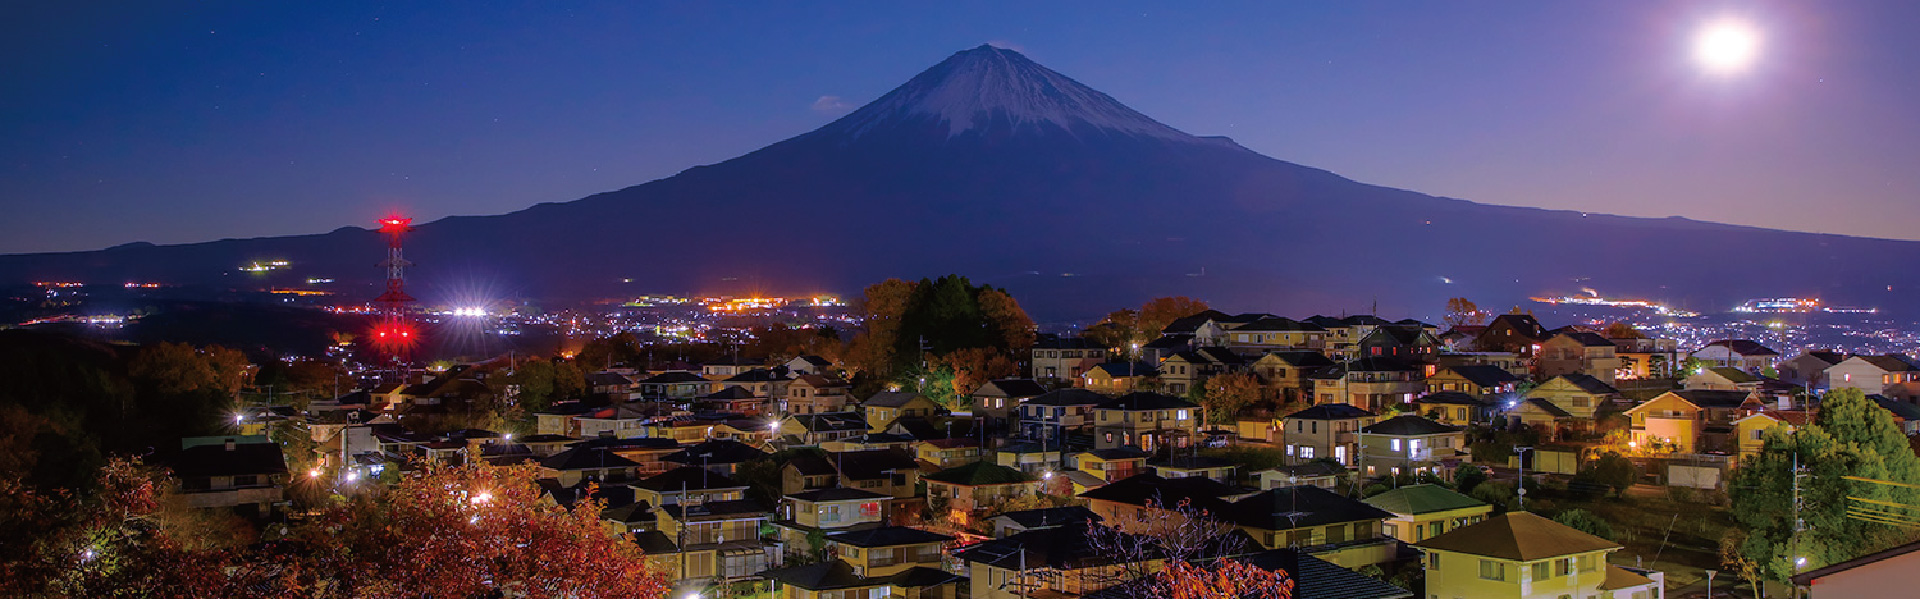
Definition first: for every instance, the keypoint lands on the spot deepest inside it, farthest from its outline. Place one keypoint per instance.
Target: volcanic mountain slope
(992, 166)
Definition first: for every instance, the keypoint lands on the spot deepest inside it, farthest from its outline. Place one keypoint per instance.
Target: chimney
(230, 444)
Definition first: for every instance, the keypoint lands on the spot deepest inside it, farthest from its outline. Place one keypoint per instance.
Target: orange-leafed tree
(1005, 315)
(475, 531)
(1222, 579)
(1226, 394)
(1159, 312)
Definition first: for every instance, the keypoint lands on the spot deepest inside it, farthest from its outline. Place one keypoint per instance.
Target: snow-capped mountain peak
(987, 87)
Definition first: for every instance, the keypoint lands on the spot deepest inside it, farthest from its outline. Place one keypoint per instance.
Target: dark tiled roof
(1408, 424)
(1174, 341)
(654, 542)
(1314, 578)
(603, 379)
(1713, 398)
(1517, 536)
(1382, 364)
(757, 375)
(1142, 488)
(1280, 324)
(1010, 388)
(1145, 400)
(832, 421)
(1124, 452)
(215, 460)
(1888, 363)
(836, 494)
(921, 577)
(1192, 323)
(1903, 410)
(889, 399)
(1548, 407)
(1067, 397)
(716, 451)
(676, 376)
(722, 508)
(979, 473)
(1066, 547)
(1485, 375)
(1744, 347)
(1303, 359)
(1051, 517)
(1586, 382)
(1451, 398)
(1125, 369)
(731, 392)
(828, 575)
(688, 478)
(1587, 339)
(873, 463)
(1187, 462)
(1330, 411)
(586, 457)
(888, 536)
(1305, 505)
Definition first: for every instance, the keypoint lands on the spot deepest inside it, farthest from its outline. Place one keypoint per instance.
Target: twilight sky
(175, 122)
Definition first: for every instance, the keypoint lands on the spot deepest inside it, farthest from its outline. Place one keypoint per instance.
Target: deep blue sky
(177, 122)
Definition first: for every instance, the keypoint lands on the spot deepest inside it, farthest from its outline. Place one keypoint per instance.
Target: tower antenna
(395, 333)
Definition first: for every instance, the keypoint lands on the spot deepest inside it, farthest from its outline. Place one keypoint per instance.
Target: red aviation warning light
(395, 331)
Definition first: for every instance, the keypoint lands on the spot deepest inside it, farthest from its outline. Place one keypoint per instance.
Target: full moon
(1726, 47)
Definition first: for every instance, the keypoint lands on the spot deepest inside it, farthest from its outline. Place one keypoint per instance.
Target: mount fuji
(992, 166)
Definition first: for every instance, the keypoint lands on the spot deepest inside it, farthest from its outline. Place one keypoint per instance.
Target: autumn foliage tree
(1463, 312)
(1222, 579)
(1122, 328)
(947, 325)
(1228, 393)
(1159, 312)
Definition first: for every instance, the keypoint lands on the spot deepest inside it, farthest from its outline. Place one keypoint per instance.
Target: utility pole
(1520, 486)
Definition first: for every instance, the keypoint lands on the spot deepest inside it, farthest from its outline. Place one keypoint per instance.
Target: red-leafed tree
(1223, 579)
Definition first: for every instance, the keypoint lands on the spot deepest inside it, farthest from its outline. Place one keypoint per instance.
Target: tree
(1623, 330)
(1611, 471)
(1463, 312)
(1222, 579)
(1468, 476)
(1585, 521)
(881, 310)
(1495, 493)
(1120, 329)
(969, 368)
(1178, 534)
(1228, 393)
(1157, 313)
(1011, 323)
(1845, 519)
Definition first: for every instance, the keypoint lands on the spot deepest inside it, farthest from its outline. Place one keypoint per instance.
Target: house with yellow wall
(827, 511)
(1520, 555)
(1578, 394)
(1113, 463)
(1147, 420)
(947, 453)
(1421, 512)
(715, 539)
(1749, 433)
(1048, 562)
(885, 407)
(974, 488)
(1452, 408)
(1680, 419)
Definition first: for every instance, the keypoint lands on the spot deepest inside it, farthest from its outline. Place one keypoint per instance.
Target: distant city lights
(258, 266)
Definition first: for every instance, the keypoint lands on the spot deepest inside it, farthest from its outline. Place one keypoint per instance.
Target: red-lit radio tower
(395, 333)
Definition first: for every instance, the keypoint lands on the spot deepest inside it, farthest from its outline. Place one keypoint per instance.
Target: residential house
(814, 429)
(1577, 352)
(1513, 363)
(1544, 416)
(1906, 415)
(1344, 333)
(1871, 374)
(732, 399)
(997, 402)
(1065, 358)
(1749, 433)
(1158, 350)
(648, 454)
(1309, 519)
(1118, 377)
(1689, 421)
(1578, 394)
(246, 474)
(1422, 512)
(1330, 430)
(1453, 408)
(886, 406)
(1113, 463)
(1190, 369)
(835, 579)
(1186, 466)
(809, 364)
(811, 394)
(829, 510)
(1744, 354)
(1373, 383)
(713, 540)
(619, 421)
(588, 462)
(968, 490)
(1882, 575)
(888, 550)
(687, 486)
(871, 441)
(674, 384)
(1411, 444)
(1049, 562)
(1287, 373)
(1147, 420)
(1525, 556)
(1215, 331)
(725, 368)
(1518, 334)
(1477, 380)
(1034, 458)
(1401, 342)
(947, 453)
(762, 382)
(607, 382)
(1058, 413)
(1644, 357)
(1809, 370)
(1275, 334)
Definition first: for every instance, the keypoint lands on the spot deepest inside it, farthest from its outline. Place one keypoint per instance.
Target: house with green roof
(1421, 512)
